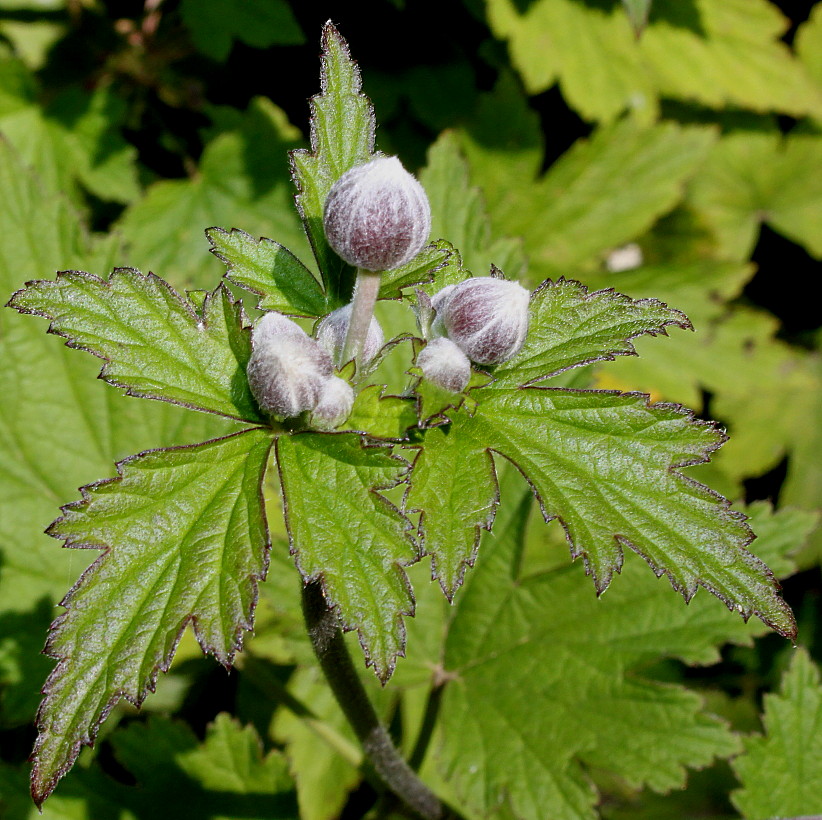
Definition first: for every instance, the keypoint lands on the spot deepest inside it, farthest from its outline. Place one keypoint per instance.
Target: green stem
(332, 653)
(366, 290)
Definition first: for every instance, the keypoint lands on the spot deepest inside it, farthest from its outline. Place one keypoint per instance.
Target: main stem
(332, 653)
(366, 290)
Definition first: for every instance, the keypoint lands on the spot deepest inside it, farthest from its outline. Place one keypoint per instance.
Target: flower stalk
(366, 290)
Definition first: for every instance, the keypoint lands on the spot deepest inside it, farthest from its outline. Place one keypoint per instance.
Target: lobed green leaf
(346, 534)
(154, 342)
(185, 541)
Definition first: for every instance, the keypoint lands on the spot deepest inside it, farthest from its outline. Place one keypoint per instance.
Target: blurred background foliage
(669, 150)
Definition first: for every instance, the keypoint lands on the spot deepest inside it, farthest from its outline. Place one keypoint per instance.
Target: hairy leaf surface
(342, 136)
(781, 771)
(269, 270)
(349, 536)
(185, 541)
(155, 344)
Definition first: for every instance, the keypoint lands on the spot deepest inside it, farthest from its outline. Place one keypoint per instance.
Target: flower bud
(330, 334)
(334, 406)
(287, 369)
(487, 317)
(445, 365)
(377, 216)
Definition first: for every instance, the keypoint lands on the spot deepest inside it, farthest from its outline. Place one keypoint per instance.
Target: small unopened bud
(487, 317)
(377, 216)
(287, 369)
(334, 406)
(331, 332)
(445, 365)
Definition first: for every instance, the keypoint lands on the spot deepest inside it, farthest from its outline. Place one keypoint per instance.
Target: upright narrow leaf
(185, 541)
(342, 136)
(638, 11)
(154, 342)
(781, 771)
(349, 536)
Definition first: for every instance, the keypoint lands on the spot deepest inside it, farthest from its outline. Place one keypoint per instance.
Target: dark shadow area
(766, 487)
(561, 125)
(786, 274)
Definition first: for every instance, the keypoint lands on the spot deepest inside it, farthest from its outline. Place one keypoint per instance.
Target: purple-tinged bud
(487, 317)
(287, 369)
(330, 335)
(377, 216)
(445, 365)
(334, 406)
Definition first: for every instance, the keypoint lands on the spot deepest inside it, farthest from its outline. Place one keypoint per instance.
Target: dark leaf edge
(394, 291)
(40, 793)
(220, 291)
(682, 321)
(329, 33)
(465, 563)
(383, 675)
(724, 510)
(230, 268)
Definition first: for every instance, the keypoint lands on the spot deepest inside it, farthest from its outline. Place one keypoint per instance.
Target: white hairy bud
(332, 329)
(485, 316)
(287, 369)
(377, 215)
(445, 365)
(334, 406)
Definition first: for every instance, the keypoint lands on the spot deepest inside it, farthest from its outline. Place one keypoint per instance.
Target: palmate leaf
(155, 343)
(720, 53)
(781, 771)
(342, 136)
(548, 682)
(346, 534)
(185, 541)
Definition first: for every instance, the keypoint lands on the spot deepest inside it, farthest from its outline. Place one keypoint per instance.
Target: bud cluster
(484, 320)
(289, 373)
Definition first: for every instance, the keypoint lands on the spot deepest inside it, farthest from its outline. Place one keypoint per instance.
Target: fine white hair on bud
(331, 332)
(445, 365)
(287, 369)
(485, 316)
(334, 406)
(377, 216)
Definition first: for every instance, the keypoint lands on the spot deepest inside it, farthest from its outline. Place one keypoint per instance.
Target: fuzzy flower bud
(486, 317)
(445, 365)
(287, 370)
(330, 334)
(377, 216)
(334, 406)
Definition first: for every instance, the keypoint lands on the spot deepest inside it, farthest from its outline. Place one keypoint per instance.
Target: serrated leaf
(185, 541)
(242, 181)
(720, 53)
(342, 136)
(570, 326)
(517, 644)
(346, 534)
(214, 24)
(154, 343)
(751, 178)
(426, 266)
(49, 390)
(270, 271)
(455, 489)
(620, 487)
(781, 771)
(73, 139)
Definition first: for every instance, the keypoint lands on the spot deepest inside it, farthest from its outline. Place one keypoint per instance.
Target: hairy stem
(332, 653)
(362, 309)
